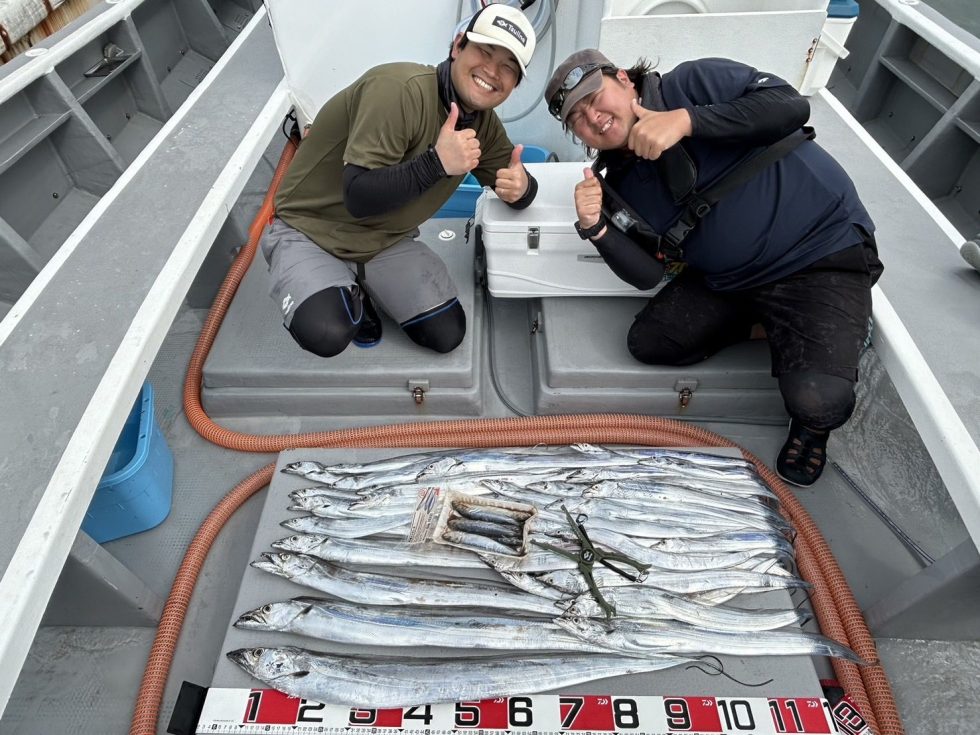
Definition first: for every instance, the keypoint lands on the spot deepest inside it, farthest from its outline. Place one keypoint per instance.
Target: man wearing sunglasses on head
(708, 165)
(382, 156)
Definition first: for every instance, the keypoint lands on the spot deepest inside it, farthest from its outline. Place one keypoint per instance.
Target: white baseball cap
(503, 25)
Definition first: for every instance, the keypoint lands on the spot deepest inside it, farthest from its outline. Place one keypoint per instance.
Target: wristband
(437, 162)
(586, 232)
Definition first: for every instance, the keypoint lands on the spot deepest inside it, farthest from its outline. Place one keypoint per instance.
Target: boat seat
(579, 358)
(582, 365)
(255, 368)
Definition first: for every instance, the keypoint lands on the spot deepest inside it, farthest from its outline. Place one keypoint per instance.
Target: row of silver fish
(707, 525)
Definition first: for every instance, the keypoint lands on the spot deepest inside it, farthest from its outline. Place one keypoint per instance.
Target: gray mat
(791, 676)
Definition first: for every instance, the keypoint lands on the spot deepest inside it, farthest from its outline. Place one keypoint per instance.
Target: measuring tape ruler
(262, 711)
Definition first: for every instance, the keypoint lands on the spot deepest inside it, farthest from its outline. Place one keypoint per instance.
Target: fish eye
(267, 608)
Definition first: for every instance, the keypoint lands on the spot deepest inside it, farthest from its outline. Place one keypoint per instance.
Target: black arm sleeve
(759, 117)
(369, 192)
(628, 260)
(532, 191)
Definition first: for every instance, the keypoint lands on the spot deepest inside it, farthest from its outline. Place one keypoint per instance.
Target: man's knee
(649, 344)
(324, 324)
(441, 328)
(820, 401)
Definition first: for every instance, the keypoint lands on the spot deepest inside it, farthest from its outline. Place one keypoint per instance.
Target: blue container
(463, 201)
(843, 9)
(137, 486)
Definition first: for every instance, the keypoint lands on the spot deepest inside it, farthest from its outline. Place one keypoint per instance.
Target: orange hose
(834, 605)
(172, 620)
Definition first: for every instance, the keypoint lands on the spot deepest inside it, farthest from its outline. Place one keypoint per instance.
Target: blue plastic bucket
(137, 487)
(843, 9)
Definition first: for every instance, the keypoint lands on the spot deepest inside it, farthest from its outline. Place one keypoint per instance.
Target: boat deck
(82, 677)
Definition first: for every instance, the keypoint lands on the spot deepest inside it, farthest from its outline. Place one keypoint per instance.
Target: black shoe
(803, 456)
(368, 333)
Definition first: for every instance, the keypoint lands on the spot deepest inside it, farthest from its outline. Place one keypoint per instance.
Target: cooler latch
(685, 391)
(533, 238)
(418, 390)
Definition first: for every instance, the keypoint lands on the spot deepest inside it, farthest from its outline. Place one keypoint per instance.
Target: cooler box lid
(553, 209)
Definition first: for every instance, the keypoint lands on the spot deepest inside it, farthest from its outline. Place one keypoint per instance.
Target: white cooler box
(536, 251)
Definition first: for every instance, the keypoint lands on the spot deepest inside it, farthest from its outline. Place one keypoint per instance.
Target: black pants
(816, 322)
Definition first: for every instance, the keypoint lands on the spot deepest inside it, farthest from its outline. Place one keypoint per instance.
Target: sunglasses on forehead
(570, 82)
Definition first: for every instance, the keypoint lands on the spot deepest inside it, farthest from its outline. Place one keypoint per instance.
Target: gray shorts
(404, 280)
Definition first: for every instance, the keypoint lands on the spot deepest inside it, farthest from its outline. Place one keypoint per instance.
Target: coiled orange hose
(837, 612)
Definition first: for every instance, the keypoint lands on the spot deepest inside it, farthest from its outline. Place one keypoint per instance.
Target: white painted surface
(829, 49)
(667, 40)
(677, 7)
(352, 37)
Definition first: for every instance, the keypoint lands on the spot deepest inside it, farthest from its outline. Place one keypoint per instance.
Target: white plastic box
(536, 251)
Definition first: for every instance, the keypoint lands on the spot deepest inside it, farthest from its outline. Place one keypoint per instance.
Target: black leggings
(441, 328)
(816, 322)
(327, 321)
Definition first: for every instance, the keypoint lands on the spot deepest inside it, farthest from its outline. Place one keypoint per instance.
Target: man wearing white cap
(382, 156)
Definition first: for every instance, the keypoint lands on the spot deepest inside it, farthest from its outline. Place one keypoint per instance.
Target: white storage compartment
(536, 251)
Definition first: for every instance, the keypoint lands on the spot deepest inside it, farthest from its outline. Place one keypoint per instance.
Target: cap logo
(512, 29)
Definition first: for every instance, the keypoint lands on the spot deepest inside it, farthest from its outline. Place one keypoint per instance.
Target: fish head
(257, 619)
(247, 658)
(270, 664)
(582, 474)
(275, 615)
(370, 500)
(298, 468)
(438, 468)
(282, 564)
(308, 502)
(581, 627)
(301, 543)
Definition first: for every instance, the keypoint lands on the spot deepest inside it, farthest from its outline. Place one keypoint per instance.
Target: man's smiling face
(483, 75)
(603, 119)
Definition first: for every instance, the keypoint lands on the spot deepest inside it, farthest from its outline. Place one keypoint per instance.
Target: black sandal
(803, 456)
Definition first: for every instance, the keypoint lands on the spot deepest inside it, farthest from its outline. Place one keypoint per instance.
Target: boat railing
(78, 108)
(77, 346)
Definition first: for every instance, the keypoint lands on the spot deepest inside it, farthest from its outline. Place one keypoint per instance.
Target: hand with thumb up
(588, 200)
(654, 132)
(511, 183)
(458, 150)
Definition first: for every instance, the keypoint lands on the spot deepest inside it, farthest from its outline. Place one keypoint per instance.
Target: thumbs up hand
(654, 132)
(588, 200)
(458, 150)
(511, 183)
